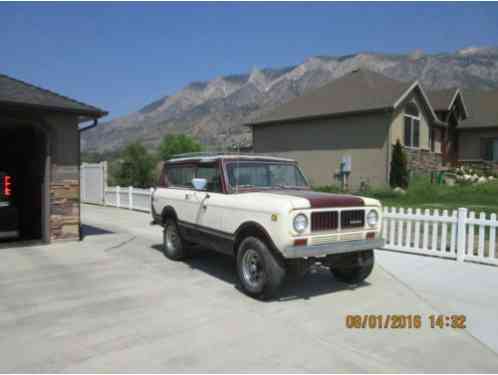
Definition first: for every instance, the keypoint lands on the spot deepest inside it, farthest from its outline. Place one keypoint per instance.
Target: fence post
(130, 197)
(461, 234)
(82, 183)
(149, 208)
(118, 197)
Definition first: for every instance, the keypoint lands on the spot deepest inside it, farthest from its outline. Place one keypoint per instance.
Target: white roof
(206, 157)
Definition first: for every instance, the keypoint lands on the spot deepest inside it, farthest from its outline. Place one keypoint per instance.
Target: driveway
(114, 302)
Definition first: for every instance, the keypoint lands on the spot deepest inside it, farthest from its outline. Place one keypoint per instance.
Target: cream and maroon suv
(261, 210)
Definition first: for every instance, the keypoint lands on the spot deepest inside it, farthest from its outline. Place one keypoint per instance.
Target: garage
(39, 163)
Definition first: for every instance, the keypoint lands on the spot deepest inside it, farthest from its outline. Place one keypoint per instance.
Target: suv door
(207, 216)
(180, 193)
(211, 209)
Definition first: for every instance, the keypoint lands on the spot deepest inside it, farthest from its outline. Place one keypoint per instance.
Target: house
(478, 135)
(40, 154)
(358, 117)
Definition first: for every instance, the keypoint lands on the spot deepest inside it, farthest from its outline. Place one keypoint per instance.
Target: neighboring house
(40, 152)
(358, 116)
(478, 135)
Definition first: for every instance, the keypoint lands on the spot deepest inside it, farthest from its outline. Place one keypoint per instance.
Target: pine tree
(399, 170)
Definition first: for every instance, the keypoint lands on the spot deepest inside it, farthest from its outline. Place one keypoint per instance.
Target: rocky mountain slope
(214, 111)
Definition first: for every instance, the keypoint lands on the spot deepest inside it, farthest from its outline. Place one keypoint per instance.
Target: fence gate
(93, 181)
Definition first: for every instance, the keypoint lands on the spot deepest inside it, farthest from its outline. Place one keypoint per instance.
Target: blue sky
(121, 56)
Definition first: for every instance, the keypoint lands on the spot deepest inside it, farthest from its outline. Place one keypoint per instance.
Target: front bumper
(332, 248)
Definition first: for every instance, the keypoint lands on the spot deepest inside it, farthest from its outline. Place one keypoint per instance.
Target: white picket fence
(131, 198)
(459, 235)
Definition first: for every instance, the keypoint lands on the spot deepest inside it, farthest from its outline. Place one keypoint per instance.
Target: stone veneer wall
(65, 203)
(422, 161)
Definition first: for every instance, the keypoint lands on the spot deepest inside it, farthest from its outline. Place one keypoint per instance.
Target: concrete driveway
(114, 302)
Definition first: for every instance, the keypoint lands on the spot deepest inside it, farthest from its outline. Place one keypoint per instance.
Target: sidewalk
(452, 288)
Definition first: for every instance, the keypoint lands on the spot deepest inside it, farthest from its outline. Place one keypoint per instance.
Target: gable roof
(483, 109)
(14, 92)
(359, 91)
(443, 100)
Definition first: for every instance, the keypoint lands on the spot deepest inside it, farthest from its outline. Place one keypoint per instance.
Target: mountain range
(214, 111)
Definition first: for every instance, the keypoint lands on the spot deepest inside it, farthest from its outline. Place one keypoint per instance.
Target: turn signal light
(301, 242)
(370, 235)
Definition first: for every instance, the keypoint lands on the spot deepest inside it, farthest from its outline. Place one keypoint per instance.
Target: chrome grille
(352, 219)
(325, 220)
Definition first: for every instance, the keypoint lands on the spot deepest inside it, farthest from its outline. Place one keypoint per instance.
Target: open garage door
(23, 191)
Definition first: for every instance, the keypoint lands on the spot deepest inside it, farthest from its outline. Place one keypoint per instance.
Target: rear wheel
(173, 244)
(353, 268)
(260, 273)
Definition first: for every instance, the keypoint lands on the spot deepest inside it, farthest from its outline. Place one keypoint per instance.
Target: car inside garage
(39, 163)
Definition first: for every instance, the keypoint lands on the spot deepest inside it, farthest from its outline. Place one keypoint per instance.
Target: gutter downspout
(95, 123)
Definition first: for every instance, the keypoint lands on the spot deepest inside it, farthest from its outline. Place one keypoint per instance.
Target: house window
(412, 126)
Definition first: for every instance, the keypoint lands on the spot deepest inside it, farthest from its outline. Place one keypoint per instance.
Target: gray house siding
(319, 146)
(469, 142)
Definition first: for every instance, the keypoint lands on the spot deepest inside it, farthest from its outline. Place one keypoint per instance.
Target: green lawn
(422, 194)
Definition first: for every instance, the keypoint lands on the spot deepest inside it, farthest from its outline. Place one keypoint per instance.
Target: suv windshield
(265, 175)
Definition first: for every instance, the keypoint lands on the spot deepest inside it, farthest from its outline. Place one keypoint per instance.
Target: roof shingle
(483, 109)
(441, 99)
(14, 91)
(361, 90)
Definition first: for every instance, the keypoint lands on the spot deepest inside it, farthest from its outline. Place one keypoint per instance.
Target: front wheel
(354, 268)
(260, 273)
(173, 244)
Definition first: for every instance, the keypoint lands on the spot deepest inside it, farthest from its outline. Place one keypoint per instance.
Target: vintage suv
(260, 209)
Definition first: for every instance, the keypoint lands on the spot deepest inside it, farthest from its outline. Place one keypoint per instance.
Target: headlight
(300, 223)
(372, 218)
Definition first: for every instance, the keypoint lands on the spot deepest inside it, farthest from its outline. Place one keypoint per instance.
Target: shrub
(398, 176)
(135, 167)
(173, 144)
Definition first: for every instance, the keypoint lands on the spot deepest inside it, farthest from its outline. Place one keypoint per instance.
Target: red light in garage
(370, 235)
(7, 186)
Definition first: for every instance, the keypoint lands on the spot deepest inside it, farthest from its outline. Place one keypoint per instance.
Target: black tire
(354, 268)
(173, 248)
(263, 278)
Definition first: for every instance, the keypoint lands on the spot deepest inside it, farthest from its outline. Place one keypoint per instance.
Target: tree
(399, 170)
(177, 144)
(135, 167)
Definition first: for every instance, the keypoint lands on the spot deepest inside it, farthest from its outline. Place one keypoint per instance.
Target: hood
(322, 200)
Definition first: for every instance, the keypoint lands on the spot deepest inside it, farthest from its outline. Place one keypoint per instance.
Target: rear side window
(180, 176)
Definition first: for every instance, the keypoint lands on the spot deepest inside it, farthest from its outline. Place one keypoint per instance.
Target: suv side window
(180, 175)
(211, 173)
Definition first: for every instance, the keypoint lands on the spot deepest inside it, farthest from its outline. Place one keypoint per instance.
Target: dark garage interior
(22, 157)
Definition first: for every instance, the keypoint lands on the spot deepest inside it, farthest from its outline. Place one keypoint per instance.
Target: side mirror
(199, 183)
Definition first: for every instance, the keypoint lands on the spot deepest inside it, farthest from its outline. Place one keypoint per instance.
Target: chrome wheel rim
(252, 269)
(171, 238)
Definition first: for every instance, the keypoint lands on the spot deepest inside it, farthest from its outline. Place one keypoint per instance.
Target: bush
(177, 144)
(135, 167)
(398, 176)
